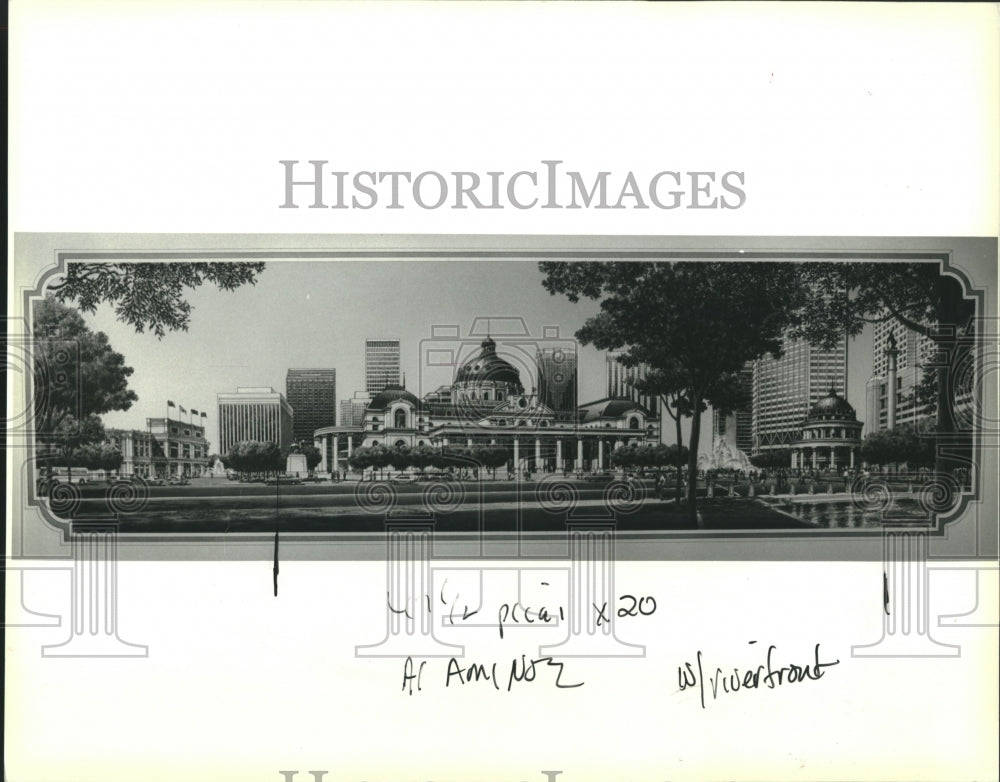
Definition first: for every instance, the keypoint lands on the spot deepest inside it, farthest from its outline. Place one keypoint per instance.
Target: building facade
(257, 413)
(620, 379)
(487, 405)
(912, 353)
(312, 394)
(168, 448)
(352, 411)
(382, 365)
(557, 378)
(830, 438)
(786, 388)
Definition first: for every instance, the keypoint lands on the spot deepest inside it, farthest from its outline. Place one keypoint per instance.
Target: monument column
(336, 452)
(579, 454)
(833, 457)
(559, 461)
(600, 454)
(852, 458)
(517, 459)
(321, 445)
(815, 461)
(891, 354)
(538, 454)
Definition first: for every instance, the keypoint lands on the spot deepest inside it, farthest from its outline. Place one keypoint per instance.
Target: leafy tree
(98, 456)
(696, 324)
(149, 295)
(255, 457)
(361, 458)
(72, 435)
(312, 454)
(77, 377)
(399, 457)
(493, 456)
(422, 457)
(899, 445)
(781, 457)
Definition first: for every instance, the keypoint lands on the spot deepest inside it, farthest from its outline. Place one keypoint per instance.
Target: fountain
(724, 456)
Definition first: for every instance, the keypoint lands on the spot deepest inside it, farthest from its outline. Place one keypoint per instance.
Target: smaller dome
(832, 406)
(390, 394)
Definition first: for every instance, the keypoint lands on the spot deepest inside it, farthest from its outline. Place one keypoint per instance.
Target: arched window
(633, 423)
(400, 419)
(486, 395)
(400, 443)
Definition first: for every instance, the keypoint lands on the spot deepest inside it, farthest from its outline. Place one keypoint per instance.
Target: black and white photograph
(715, 392)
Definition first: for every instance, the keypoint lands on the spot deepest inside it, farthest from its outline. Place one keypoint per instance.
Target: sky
(317, 314)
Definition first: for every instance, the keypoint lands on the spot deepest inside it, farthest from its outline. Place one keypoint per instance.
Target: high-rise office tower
(381, 364)
(557, 387)
(913, 352)
(259, 413)
(785, 389)
(312, 393)
(620, 379)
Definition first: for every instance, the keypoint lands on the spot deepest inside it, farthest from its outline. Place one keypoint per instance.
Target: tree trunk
(952, 310)
(680, 444)
(693, 463)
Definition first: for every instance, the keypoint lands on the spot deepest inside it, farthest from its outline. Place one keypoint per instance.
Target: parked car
(178, 481)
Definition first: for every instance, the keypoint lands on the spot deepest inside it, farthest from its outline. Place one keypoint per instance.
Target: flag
(193, 411)
(170, 404)
(182, 409)
(204, 415)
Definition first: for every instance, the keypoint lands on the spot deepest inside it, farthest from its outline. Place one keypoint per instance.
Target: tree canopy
(695, 325)
(149, 295)
(899, 445)
(76, 376)
(253, 456)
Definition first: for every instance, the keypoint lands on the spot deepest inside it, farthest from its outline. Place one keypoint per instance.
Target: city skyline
(308, 314)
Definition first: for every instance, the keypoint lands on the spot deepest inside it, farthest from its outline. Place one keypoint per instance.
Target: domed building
(831, 435)
(486, 377)
(487, 405)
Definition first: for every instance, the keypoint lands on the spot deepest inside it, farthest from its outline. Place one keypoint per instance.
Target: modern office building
(381, 364)
(256, 413)
(352, 411)
(312, 393)
(557, 378)
(913, 352)
(785, 390)
(736, 427)
(620, 381)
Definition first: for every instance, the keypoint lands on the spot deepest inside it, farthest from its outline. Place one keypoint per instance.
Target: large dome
(832, 407)
(487, 366)
(390, 394)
